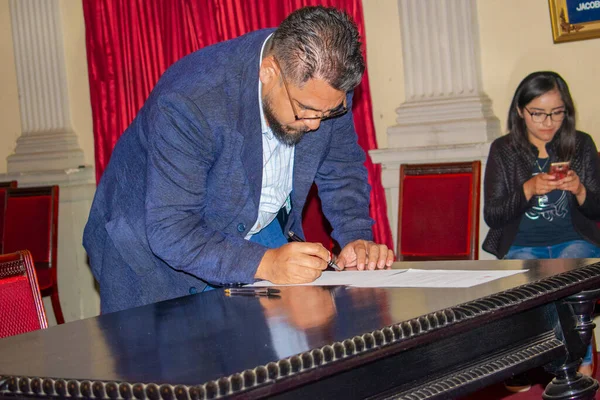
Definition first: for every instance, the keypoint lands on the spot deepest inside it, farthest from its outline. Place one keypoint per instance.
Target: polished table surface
(225, 344)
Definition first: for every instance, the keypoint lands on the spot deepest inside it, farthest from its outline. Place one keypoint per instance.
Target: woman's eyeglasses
(555, 116)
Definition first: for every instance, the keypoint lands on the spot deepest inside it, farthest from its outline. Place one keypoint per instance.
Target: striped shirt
(278, 168)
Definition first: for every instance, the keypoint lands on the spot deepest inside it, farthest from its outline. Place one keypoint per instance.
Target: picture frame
(574, 19)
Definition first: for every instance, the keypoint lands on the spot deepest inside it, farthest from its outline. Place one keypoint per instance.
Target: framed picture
(574, 19)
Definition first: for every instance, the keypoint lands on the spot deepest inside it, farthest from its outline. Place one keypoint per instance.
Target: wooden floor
(539, 380)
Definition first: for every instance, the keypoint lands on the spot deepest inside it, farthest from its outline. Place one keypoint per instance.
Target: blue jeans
(572, 249)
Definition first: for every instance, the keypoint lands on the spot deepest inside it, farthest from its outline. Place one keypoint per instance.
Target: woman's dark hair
(533, 86)
(320, 42)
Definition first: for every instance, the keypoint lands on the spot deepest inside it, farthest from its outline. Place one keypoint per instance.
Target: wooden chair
(3, 187)
(21, 307)
(438, 216)
(32, 223)
(8, 184)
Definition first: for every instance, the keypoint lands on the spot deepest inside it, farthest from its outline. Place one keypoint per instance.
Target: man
(216, 167)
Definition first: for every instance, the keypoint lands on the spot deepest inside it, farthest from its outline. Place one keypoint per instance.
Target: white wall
(9, 98)
(516, 39)
(384, 63)
(78, 85)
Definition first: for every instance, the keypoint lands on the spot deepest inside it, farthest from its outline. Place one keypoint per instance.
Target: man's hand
(363, 255)
(304, 307)
(293, 263)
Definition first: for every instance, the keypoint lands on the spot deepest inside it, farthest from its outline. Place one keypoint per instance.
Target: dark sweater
(508, 169)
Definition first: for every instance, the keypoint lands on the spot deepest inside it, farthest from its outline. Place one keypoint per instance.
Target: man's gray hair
(320, 42)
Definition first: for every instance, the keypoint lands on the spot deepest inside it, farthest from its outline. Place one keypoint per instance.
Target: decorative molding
(47, 141)
(65, 178)
(550, 289)
(12, 268)
(454, 120)
(444, 100)
(444, 387)
(391, 159)
(430, 169)
(440, 48)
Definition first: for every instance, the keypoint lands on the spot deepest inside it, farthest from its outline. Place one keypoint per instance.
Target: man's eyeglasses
(555, 116)
(320, 115)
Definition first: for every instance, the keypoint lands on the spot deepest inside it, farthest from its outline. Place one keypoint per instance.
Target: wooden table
(324, 342)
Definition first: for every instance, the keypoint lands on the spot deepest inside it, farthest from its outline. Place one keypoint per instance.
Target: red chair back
(3, 187)
(31, 223)
(438, 217)
(8, 184)
(316, 227)
(21, 307)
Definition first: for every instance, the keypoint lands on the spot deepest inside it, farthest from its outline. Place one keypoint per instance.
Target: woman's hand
(539, 185)
(572, 183)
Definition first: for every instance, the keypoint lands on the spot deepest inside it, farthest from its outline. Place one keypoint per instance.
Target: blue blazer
(182, 187)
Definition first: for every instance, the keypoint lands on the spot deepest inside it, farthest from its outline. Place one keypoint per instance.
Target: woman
(533, 213)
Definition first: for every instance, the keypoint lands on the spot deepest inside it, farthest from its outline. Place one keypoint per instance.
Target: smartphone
(559, 169)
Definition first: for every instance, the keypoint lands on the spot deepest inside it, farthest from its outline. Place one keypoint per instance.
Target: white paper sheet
(334, 278)
(406, 278)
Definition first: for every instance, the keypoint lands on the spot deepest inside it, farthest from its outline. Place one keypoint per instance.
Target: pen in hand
(297, 238)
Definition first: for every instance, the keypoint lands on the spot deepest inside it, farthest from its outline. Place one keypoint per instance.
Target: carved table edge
(300, 363)
(443, 386)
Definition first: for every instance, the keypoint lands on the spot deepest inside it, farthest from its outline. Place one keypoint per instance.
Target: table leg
(575, 330)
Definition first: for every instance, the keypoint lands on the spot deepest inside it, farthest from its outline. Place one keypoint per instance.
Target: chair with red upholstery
(3, 187)
(438, 216)
(32, 223)
(316, 227)
(21, 307)
(8, 184)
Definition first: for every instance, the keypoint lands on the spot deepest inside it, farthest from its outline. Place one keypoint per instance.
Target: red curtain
(130, 43)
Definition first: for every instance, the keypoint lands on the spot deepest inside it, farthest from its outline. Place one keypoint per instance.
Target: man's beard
(285, 135)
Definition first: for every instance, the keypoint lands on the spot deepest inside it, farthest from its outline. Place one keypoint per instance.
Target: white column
(48, 152)
(444, 100)
(47, 141)
(446, 115)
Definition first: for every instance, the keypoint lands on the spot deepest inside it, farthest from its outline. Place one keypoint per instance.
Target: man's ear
(268, 71)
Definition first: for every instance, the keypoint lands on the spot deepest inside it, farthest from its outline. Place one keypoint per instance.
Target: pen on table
(252, 291)
(297, 238)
